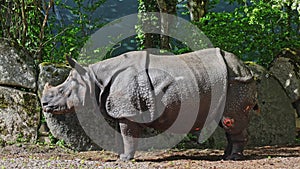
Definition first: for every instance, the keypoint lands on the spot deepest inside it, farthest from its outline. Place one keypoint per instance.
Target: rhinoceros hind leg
(235, 146)
(130, 132)
(236, 153)
(228, 148)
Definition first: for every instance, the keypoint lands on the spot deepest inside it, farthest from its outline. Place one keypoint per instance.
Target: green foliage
(21, 138)
(36, 27)
(255, 33)
(71, 33)
(20, 24)
(147, 40)
(189, 141)
(292, 4)
(61, 143)
(53, 140)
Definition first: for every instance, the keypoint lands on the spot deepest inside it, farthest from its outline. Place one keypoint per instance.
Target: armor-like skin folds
(139, 88)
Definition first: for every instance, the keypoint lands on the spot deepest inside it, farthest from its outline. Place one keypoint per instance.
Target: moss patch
(20, 116)
(3, 103)
(57, 65)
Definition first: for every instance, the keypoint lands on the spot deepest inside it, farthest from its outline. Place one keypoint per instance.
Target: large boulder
(66, 126)
(16, 70)
(54, 74)
(19, 115)
(286, 68)
(274, 124)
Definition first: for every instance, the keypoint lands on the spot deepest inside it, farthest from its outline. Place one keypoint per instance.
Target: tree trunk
(198, 9)
(148, 40)
(163, 22)
(169, 7)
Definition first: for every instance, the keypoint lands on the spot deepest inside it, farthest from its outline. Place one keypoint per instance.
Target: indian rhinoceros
(140, 88)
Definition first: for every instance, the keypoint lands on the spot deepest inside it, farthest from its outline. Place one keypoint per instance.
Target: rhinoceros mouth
(58, 109)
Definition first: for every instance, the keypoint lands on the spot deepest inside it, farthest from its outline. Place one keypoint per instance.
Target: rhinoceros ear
(75, 65)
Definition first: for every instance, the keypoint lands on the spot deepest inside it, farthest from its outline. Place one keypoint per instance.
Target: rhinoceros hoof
(235, 157)
(125, 157)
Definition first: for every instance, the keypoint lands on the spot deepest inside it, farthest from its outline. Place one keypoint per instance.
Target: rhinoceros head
(71, 93)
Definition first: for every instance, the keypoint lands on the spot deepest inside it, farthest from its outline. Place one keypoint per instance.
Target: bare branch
(42, 33)
(24, 23)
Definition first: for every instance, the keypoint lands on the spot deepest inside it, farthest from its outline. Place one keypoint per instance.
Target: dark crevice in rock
(37, 82)
(21, 88)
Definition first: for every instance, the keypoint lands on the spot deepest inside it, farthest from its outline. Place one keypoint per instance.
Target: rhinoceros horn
(75, 65)
(47, 86)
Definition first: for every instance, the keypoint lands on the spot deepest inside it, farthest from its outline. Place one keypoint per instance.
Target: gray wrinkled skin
(132, 96)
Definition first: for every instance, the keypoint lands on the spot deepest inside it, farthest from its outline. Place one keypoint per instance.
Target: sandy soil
(41, 156)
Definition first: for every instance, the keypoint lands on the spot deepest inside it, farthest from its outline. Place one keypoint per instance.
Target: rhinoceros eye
(51, 94)
(61, 90)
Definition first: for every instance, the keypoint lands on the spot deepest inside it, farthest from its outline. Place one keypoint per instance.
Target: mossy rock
(19, 115)
(286, 68)
(54, 74)
(274, 124)
(16, 69)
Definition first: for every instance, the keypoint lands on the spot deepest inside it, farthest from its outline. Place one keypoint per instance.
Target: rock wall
(19, 105)
(20, 113)
(275, 122)
(286, 68)
(16, 70)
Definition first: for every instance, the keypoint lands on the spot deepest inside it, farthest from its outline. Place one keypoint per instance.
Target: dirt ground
(58, 157)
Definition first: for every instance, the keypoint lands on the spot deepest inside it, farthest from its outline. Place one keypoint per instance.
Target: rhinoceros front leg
(130, 132)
